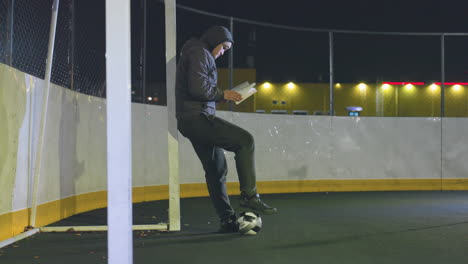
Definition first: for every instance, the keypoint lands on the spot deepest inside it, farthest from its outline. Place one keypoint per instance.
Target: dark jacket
(197, 77)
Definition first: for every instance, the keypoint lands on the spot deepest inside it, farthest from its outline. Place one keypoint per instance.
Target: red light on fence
(452, 83)
(404, 83)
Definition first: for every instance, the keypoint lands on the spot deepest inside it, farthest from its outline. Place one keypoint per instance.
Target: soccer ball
(249, 223)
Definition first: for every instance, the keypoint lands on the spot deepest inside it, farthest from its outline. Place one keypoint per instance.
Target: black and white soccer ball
(249, 223)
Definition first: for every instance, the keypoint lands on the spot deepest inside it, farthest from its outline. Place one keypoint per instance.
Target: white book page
(246, 90)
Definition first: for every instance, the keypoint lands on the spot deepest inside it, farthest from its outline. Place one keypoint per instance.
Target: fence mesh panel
(31, 26)
(61, 63)
(5, 16)
(89, 66)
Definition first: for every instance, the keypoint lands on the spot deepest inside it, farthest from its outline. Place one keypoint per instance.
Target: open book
(246, 89)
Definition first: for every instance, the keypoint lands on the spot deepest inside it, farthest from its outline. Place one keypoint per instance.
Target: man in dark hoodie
(196, 97)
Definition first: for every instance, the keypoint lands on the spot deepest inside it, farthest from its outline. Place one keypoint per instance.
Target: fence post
(332, 94)
(442, 70)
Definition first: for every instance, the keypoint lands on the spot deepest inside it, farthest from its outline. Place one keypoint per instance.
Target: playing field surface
(342, 228)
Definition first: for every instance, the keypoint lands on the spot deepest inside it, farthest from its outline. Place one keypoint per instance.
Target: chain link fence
(4, 31)
(28, 25)
(61, 63)
(79, 53)
(89, 74)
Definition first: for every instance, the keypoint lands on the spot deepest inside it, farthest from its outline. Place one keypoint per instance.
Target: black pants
(209, 136)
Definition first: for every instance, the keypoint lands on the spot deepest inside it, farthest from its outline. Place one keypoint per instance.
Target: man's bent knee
(248, 141)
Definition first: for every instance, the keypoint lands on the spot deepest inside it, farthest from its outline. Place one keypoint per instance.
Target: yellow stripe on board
(53, 211)
(349, 185)
(455, 184)
(14, 223)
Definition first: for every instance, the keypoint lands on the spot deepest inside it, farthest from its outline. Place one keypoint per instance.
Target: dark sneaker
(255, 205)
(229, 225)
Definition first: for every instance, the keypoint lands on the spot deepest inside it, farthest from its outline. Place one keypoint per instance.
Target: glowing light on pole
(409, 87)
(362, 87)
(267, 85)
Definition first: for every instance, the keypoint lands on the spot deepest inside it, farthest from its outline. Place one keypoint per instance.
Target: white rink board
(287, 147)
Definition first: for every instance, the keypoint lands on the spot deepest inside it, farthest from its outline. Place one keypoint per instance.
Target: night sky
(379, 15)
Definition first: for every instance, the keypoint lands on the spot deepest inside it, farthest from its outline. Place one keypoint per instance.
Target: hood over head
(216, 35)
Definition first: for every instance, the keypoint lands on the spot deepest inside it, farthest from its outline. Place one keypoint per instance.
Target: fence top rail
(317, 30)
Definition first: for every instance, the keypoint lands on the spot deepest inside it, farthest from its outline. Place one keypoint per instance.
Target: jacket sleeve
(200, 86)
